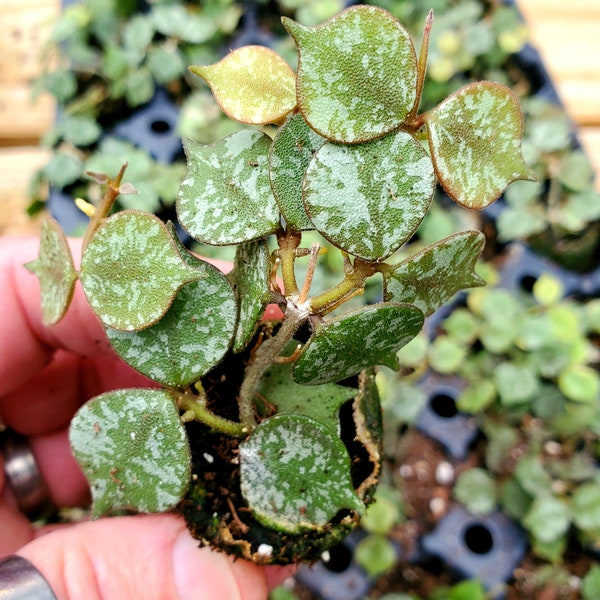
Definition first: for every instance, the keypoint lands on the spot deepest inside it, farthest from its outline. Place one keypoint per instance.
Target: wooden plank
(567, 36)
(17, 166)
(21, 120)
(26, 25)
(540, 10)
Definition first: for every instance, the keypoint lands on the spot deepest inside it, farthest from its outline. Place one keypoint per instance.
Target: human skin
(46, 374)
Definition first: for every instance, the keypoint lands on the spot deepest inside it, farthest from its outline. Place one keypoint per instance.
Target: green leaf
(359, 339)
(548, 518)
(133, 450)
(475, 139)
(291, 153)
(226, 195)
(516, 383)
(252, 84)
(251, 280)
(370, 198)
(430, 278)
(477, 396)
(55, 271)
(532, 476)
(375, 554)
(177, 21)
(357, 74)
(63, 169)
(585, 505)
(190, 339)
(322, 402)
(131, 270)
(467, 590)
(590, 584)
(80, 130)
(166, 63)
(476, 489)
(295, 474)
(446, 355)
(580, 383)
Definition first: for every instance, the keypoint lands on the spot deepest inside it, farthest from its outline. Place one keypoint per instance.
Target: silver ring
(20, 580)
(23, 475)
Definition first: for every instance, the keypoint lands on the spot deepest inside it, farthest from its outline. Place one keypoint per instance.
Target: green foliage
(55, 271)
(350, 166)
(133, 449)
(529, 366)
(294, 472)
(564, 206)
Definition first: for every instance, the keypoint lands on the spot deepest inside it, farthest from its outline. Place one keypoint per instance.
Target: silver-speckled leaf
(190, 339)
(475, 142)
(369, 199)
(357, 74)
(55, 271)
(431, 277)
(251, 279)
(252, 84)
(295, 474)
(225, 197)
(133, 450)
(131, 270)
(357, 340)
(321, 402)
(291, 152)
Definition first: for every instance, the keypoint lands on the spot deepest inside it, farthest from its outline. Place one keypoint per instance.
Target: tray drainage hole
(444, 406)
(527, 282)
(478, 539)
(337, 559)
(160, 126)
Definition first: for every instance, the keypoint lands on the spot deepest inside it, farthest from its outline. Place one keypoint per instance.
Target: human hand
(46, 373)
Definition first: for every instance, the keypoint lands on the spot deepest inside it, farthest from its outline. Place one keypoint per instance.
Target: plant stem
(422, 67)
(288, 243)
(111, 194)
(352, 284)
(265, 356)
(197, 405)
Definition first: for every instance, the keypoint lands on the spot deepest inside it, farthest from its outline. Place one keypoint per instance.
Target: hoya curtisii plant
(267, 436)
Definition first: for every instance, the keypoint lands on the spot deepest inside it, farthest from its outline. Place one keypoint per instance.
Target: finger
(15, 527)
(33, 408)
(26, 345)
(154, 558)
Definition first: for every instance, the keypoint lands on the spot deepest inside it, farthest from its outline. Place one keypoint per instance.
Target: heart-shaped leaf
(321, 402)
(190, 339)
(475, 142)
(431, 277)
(252, 84)
(295, 474)
(55, 271)
(357, 340)
(291, 152)
(133, 450)
(369, 199)
(131, 270)
(251, 279)
(226, 195)
(357, 74)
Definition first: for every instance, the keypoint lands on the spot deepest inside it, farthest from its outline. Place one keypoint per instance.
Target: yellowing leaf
(475, 142)
(252, 84)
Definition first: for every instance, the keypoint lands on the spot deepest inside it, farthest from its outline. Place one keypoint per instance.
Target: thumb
(143, 556)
